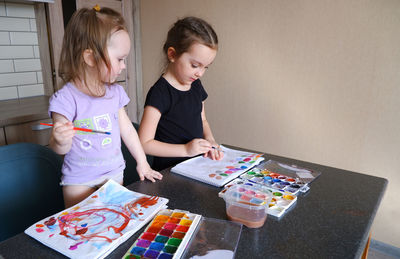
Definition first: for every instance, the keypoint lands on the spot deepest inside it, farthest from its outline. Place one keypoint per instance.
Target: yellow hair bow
(96, 8)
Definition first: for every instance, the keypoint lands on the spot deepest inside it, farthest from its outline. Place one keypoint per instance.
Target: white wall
(312, 80)
(20, 68)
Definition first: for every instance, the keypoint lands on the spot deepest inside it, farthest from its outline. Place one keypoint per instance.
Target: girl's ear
(171, 54)
(88, 57)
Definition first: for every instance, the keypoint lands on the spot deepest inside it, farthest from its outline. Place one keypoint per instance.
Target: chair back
(29, 186)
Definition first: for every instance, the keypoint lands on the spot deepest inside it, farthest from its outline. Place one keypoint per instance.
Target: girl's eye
(195, 66)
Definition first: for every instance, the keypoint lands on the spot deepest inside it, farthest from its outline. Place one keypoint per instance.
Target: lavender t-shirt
(92, 155)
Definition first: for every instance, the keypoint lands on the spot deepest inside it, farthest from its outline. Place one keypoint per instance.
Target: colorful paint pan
(166, 236)
(274, 180)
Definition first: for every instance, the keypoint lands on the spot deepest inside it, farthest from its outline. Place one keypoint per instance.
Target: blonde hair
(88, 29)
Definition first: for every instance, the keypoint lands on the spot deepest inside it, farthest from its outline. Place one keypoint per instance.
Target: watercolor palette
(281, 201)
(264, 175)
(166, 236)
(274, 180)
(285, 177)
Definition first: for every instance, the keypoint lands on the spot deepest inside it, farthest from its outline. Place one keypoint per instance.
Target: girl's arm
(215, 154)
(131, 140)
(61, 134)
(147, 132)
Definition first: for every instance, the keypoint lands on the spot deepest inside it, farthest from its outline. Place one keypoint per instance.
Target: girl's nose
(200, 73)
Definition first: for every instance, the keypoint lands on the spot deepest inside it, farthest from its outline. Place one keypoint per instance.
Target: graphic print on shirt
(103, 122)
(86, 144)
(84, 123)
(106, 142)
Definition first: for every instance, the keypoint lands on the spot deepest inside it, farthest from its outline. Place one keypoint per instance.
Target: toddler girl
(95, 46)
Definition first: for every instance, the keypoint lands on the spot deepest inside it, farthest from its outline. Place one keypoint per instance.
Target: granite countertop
(23, 110)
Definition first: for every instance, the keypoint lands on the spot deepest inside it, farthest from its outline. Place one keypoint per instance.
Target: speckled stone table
(332, 220)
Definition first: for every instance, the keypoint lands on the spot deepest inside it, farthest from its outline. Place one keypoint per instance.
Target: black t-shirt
(180, 120)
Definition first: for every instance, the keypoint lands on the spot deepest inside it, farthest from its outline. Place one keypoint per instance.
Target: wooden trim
(365, 253)
(131, 78)
(2, 137)
(138, 59)
(56, 32)
(44, 48)
(23, 110)
(24, 133)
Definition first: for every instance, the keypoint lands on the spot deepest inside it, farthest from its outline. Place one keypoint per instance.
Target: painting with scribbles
(97, 225)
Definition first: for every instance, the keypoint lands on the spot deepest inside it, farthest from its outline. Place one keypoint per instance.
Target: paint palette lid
(215, 238)
(255, 197)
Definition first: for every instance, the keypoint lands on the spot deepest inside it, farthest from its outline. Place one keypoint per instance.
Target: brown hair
(187, 31)
(88, 29)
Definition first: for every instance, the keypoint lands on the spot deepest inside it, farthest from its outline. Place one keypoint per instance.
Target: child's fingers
(61, 128)
(157, 175)
(150, 177)
(202, 147)
(221, 155)
(214, 154)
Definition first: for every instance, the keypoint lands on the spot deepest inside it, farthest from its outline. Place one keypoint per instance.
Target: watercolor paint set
(181, 234)
(274, 180)
(166, 236)
(280, 176)
(280, 202)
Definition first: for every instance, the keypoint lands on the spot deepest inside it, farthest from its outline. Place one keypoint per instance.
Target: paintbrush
(81, 129)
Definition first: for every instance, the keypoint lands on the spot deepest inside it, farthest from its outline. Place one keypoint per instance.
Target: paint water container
(247, 204)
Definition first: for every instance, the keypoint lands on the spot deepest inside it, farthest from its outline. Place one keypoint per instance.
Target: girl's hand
(197, 146)
(145, 171)
(215, 153)
(63, 133)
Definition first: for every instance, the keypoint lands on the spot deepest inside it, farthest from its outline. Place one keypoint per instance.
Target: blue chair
(130, 173)
(29, 186)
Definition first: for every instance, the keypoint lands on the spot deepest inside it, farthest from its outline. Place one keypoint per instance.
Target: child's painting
(96, 226)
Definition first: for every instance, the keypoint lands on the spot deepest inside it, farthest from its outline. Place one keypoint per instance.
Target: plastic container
(247, 204)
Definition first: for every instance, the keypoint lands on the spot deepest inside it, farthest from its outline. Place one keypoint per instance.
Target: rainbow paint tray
(166, 236)
(284, 177)
(281, 201)
(274, 180)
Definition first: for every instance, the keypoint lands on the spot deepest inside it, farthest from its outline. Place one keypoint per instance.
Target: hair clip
(96, 8)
